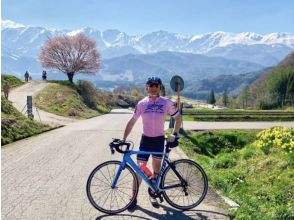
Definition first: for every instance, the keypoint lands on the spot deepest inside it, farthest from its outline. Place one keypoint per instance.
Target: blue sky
(145, 16)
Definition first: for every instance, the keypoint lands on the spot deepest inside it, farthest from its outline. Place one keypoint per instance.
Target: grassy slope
(15, 126)
(63, 100)
(11, 80)
(262, 184)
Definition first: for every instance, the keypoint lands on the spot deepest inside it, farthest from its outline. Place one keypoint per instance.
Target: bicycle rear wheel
(105, 198)
(196, 188)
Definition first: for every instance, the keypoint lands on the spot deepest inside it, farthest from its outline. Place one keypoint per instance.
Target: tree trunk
(70, 77)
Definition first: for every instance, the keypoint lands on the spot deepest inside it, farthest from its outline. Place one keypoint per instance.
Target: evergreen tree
(244, 96)
(278, 83)
(211, 98)
(290, 87)
(225, 98)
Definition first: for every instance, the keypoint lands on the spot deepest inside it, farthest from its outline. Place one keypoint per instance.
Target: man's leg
(134, 204)
(156, 163)
(139, 177)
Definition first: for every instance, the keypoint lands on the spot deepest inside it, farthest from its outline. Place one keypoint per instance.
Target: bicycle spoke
(108, 173)
(105, 198)
(126, 187)
(121, 196)
(100, 191)
(196, 185)
(123, 177)
(106, 184)
(124, 183)
(104, 176)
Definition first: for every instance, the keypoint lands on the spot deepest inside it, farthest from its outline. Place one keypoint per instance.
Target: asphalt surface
(44, 177)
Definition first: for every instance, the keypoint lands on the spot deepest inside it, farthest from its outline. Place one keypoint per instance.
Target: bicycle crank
(155, 195)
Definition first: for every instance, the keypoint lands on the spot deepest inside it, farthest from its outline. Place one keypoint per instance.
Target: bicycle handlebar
(117, 145)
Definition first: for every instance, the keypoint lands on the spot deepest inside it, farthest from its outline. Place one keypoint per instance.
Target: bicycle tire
(196, 173)
(102, 177)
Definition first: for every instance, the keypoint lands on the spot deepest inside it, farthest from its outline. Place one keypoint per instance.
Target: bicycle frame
(154, 186)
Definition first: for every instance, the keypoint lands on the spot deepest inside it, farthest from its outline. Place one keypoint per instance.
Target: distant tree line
(274, 90)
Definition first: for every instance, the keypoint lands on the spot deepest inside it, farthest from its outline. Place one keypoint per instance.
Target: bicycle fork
(183, 183)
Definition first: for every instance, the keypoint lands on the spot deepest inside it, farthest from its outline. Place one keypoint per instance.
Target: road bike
(182, 183)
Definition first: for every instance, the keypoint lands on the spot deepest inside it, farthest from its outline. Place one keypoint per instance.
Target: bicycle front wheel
(107, 199)
(191, 195)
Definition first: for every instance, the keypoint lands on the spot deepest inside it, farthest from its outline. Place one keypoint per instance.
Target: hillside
(166, 64)
(275, 88)
(12, 81)
(81, 100)
(64, 101)
(233, 83)
(15, 126)
(288, 61)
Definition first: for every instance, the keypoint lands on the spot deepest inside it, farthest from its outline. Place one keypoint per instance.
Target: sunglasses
(153, 84)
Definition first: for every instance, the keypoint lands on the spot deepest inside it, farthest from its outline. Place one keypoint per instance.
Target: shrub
(88, 91)
(280, 137)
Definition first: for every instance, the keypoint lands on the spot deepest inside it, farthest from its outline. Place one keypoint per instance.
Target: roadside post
(30, 107)
(177, 85)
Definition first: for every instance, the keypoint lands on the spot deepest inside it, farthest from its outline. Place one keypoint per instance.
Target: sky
(145, 16)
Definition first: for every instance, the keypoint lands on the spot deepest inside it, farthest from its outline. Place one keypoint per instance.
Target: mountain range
(132, 58)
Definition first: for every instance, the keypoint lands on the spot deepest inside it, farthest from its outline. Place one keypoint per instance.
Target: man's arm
(178, 121)
(128, 128)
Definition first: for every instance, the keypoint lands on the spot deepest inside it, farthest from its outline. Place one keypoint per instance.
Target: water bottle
(145, 170)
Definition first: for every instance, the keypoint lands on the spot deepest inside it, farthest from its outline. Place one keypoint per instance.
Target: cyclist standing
(153, 110)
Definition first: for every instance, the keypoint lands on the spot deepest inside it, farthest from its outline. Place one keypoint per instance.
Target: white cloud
(10, 24)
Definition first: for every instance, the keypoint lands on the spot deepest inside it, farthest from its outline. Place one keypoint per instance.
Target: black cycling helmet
(153, 79)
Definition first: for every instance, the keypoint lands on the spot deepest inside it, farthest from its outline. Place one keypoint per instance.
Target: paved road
(44, 177)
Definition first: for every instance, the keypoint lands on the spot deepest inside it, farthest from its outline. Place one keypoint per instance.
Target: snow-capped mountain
(21, 44)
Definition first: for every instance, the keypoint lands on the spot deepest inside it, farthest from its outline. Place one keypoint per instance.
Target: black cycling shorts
(154, 144)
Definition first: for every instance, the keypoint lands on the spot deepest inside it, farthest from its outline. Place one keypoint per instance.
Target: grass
(262, 184)
(11, 80)
(237, 115)
(62, 99)
(238, 118)
(15, 126)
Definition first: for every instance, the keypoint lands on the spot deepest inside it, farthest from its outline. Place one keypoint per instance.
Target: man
(6, 89)
(26, 75)
(153, 110)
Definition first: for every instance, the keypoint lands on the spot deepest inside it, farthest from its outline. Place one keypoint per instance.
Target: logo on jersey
(157, 108)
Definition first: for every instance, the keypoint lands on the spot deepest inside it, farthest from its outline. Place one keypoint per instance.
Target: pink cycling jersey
(153, 114)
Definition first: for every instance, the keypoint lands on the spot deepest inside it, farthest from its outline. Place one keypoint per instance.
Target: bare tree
(70, 55)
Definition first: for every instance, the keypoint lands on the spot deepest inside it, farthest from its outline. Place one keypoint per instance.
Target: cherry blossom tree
(70, 55)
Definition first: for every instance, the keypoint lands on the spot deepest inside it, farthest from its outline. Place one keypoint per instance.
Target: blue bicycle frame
(154, 186)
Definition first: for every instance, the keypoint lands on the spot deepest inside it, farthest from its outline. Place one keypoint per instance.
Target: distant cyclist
(153, 110)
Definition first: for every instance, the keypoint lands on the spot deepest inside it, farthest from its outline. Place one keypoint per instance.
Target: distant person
(26, 75)
(44, 75)
(30, 78)
(6, 89)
